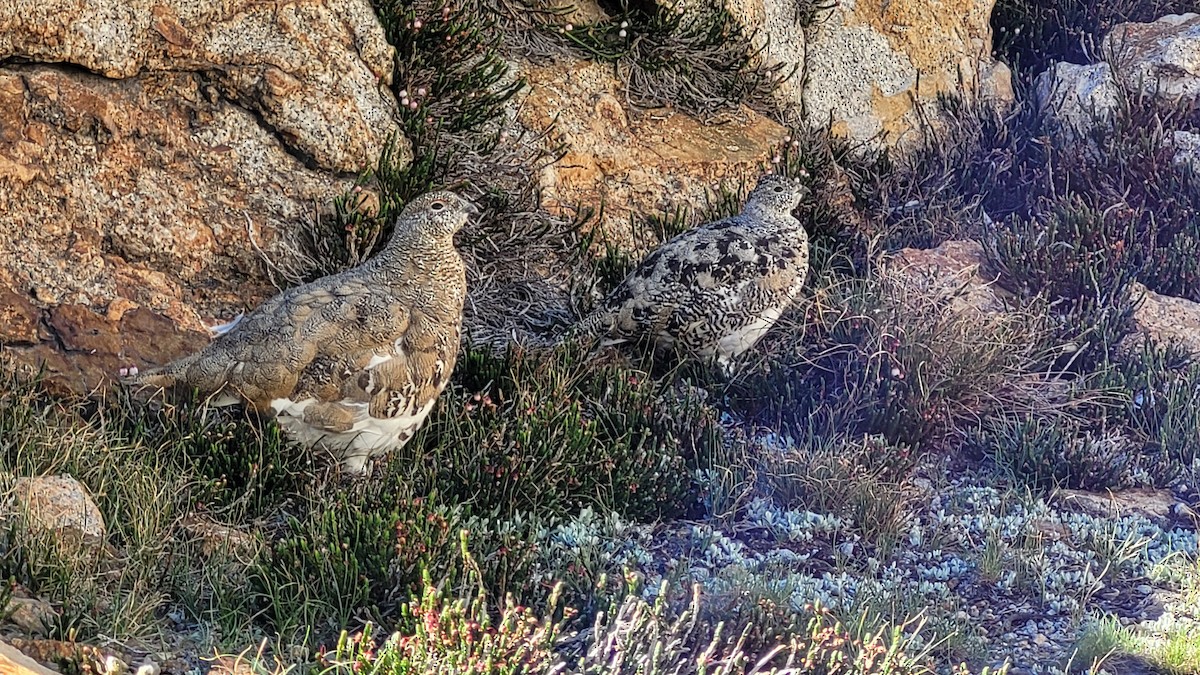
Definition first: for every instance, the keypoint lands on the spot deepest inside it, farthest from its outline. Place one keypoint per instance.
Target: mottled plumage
(714, 290)
(352, 361)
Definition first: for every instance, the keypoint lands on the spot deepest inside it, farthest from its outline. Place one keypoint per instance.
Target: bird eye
(778, 188)
(437, 206)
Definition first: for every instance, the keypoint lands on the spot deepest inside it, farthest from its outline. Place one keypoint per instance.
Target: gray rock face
(1159, 59)
(875, 70)
(1187, 149)
(854, 77)
(1076, 99)
(314, 70)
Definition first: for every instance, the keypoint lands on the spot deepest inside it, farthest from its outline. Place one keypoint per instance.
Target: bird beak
(471, 209)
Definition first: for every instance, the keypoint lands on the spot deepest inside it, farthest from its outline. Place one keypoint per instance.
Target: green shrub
(884, 358)
(1030, 34)
(240, 463)
(1056, 452)
(1159, 393)
(554, 433)
(697, 59)
(1070, 261)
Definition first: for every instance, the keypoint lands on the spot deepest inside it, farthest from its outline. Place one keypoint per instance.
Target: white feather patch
(370, 436)
(223, 328)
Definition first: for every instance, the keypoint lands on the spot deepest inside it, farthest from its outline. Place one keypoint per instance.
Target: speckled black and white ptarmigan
(353, 361)
(713, 290)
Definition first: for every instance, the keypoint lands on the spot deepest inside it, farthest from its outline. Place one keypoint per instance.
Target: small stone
(1040, 639)
(147, 668)
(228, 665)
(31, 615)
(59, 505)
(214, 538)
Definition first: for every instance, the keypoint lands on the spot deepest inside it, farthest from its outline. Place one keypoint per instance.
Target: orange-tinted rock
(19, 319)
(634, 163)
(13, 662)
(87, 348)
(1168, 320)
(138, 217)
(957, 270)
(315, 71)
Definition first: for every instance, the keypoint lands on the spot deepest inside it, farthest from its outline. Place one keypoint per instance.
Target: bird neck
(771, 217)
(408, 249)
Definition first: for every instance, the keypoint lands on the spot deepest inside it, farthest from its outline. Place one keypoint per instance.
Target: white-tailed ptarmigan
(715, 289)
(354, 361)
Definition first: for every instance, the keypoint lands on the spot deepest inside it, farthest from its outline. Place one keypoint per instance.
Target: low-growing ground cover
(881, 487)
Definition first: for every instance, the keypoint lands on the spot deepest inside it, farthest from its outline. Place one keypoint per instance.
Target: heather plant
(696, 58)
(1046, 452)
(440, 634)
(898, 361)
(1030, 34)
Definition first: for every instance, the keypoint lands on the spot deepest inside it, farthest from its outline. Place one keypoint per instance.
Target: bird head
(440, 213)
(776, 194)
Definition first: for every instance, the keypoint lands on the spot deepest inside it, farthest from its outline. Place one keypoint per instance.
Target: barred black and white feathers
(714, 290)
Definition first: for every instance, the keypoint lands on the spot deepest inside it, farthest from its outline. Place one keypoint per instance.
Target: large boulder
(1159, 59)
(155, 155)
(313, 71)
(875, 71)
(633, 163)
(1074, 100)
(134, 213)
(1155, 61)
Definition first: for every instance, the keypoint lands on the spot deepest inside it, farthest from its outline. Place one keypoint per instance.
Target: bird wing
(338, 320)
(384, 381)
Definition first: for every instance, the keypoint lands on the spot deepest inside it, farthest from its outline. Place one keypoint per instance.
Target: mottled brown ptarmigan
(713, 290)
(353, 361)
